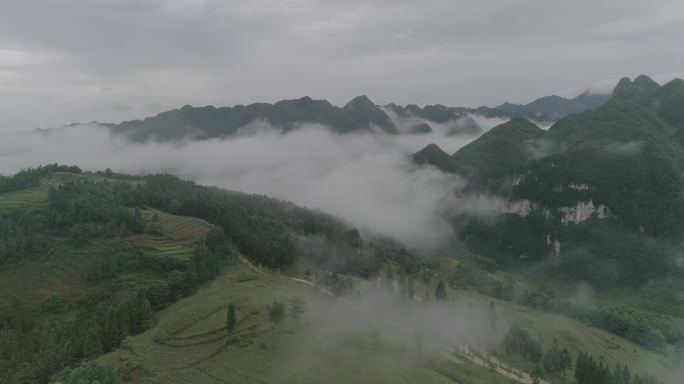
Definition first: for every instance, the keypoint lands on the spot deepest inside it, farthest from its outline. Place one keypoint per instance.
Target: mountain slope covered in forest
(359, 115)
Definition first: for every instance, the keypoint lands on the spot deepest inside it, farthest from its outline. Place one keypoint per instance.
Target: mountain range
(359, 114)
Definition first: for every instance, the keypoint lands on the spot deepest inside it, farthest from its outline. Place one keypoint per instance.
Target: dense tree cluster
(556, 362)
(592, 371)
(335, 283)
(601, 252)
(87, 373)
(260, 227)
(266, 230)
(103, 320)
(83, 210)
(519, 342)
(91, 372)
(34, 348)
(23, 235)
(648, 330)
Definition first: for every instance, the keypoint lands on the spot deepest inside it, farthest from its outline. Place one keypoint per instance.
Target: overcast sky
(110, 60)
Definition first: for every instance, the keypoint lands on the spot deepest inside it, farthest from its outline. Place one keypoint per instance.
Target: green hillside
(432, 154)
(120, 278)
(595, 199)
(501, 152)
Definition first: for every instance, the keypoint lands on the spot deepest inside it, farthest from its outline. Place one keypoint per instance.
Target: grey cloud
(116, 107)
(537, 149)
(86, 54)
(366, 179)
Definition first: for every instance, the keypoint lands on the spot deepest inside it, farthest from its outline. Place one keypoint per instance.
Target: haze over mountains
(363, 191)
(242, 147)
(327, 150)
(534, 218)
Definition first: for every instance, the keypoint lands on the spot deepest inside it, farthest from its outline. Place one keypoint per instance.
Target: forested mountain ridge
(600, 189)
(358, 115)
(547, 109)
(624, 155)
(552, 108)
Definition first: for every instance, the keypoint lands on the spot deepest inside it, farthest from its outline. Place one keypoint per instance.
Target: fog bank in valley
(366, 178)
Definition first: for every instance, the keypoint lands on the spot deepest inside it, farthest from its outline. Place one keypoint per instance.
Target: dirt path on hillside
(500, 367)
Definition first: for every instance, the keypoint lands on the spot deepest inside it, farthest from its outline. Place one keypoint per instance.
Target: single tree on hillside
(146, 314)
(426, 295)
(231, 318)
(297, 309)
(440, 292)
(276, 312)
(389, 279)
(493, 317)
(410, 289)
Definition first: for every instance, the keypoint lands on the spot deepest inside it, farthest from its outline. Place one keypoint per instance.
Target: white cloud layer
(366, 179)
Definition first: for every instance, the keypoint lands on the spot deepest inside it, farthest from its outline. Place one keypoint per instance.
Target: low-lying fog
(365, 178)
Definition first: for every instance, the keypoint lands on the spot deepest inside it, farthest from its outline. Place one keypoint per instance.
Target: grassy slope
(571, 334)
(187, 345)
(182, 346)
(24, 198)
(574, 336)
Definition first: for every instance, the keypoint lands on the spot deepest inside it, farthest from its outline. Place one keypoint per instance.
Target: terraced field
(190, 344)
(179, 234)
(24, 198)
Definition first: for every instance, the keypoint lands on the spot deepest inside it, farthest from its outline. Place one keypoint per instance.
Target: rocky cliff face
(517, 207)
(576, 214)
(582, 211)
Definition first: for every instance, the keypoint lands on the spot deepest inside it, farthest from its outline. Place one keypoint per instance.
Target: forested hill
(626, 155)
(358, 115)
(86, 258)
(89, 260)
(600, 189)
